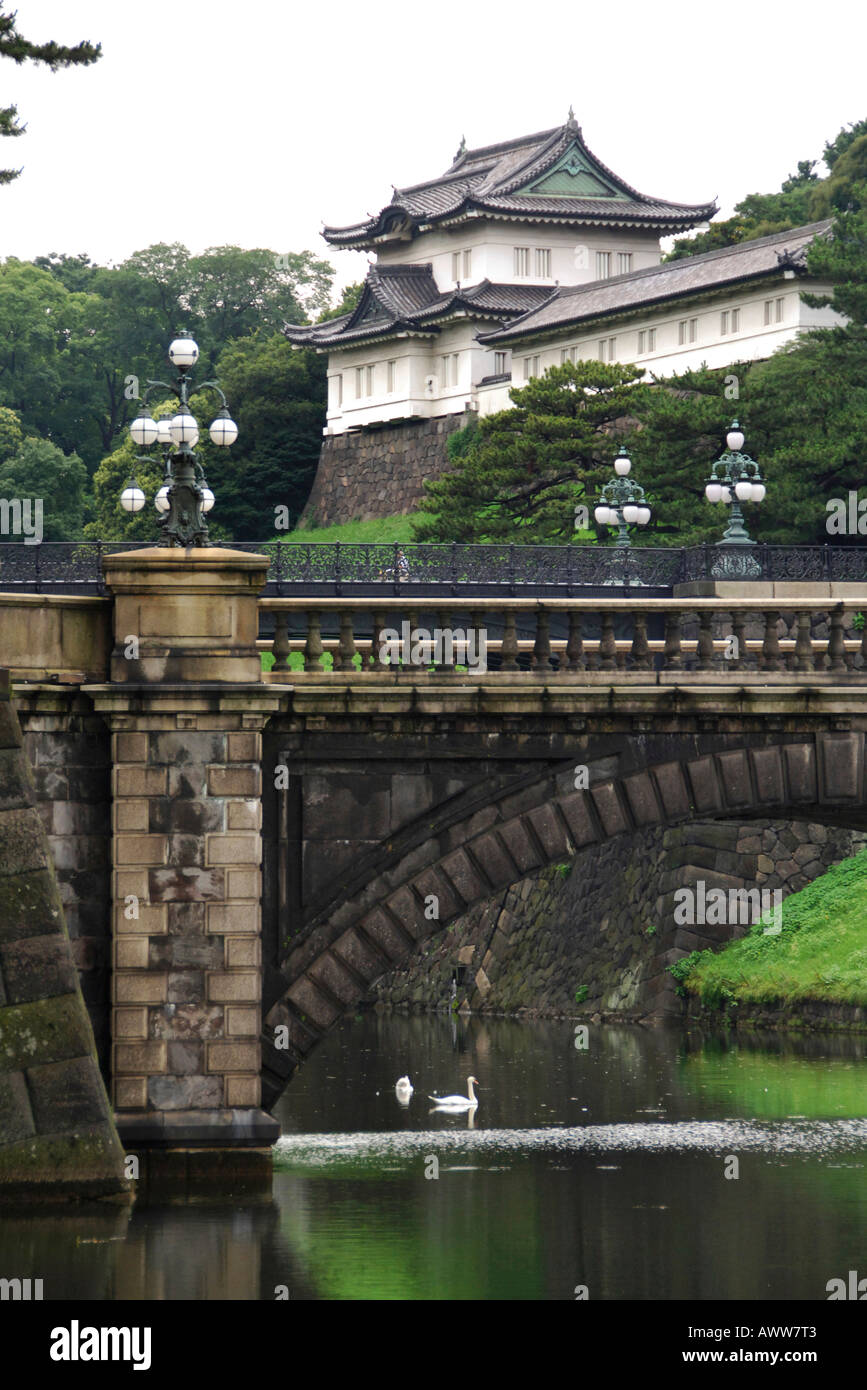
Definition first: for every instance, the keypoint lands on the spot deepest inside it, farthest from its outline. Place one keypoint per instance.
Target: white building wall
(429, 382)
(492, 246)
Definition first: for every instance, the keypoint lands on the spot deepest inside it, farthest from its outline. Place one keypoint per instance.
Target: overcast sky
(212, 123)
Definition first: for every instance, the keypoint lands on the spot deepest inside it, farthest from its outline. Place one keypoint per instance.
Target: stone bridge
(240, 855)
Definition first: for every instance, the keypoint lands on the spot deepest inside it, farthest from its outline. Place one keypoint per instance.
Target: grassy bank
(379, 532)
(820, 954)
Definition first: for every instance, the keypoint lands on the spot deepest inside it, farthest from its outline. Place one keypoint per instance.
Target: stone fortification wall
(606, 925)
(57, 1136)
(376, 472)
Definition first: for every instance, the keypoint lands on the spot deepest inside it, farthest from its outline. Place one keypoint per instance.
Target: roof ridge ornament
(462, 149)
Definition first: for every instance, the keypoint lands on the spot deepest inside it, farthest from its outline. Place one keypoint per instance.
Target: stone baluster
(444, 623)
(313, 646)
(346, 648)
(281, 646)
(705, 640)
(376, 661)
(772, 657)
(836, 646)
(509, 649)
(607, 645)
(475, 630)
(640, 654)
(738, 660)
(672, 655)
(542, 647)
(574, 645)
(803, 644)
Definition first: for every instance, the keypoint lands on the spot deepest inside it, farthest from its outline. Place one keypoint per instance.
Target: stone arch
(818, 778)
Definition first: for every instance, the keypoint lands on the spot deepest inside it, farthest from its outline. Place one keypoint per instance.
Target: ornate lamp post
(185, 497)
(735, 478)
(621, 501)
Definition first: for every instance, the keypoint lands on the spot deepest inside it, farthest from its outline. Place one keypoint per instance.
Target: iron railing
(336, 568)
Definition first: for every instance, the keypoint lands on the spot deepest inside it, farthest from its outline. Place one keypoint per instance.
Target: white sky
(212, 122)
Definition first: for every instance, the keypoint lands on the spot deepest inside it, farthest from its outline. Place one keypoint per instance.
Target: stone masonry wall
(372, 473)
(187, 950)
(70, 753)
(57, 1137)
(607, 922)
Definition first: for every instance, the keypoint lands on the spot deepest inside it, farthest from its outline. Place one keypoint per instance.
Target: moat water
(650, 1164)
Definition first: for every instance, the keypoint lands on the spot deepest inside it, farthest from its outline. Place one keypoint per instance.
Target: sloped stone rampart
(57, 1136)
(371, 473)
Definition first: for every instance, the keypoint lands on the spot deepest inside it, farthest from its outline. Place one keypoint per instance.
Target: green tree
(520, 479)
(277, 395)
(38, 469)
(348, 301)
(844, 189)
(13, 45)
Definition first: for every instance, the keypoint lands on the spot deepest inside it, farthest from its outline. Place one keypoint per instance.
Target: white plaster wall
(420, 390)
(573, 251)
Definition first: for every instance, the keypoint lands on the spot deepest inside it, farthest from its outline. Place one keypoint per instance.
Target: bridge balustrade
(570, 639)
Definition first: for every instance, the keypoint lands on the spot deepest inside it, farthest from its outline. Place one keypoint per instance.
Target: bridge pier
(186, 707)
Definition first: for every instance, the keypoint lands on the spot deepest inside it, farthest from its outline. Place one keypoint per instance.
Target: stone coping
(409, 602)
(222, 1129)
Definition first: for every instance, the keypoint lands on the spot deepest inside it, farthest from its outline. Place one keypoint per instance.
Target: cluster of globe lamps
(734, 478)
(180, 431)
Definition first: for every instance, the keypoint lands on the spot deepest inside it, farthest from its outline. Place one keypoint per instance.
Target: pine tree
(522, 475)
(13, 45)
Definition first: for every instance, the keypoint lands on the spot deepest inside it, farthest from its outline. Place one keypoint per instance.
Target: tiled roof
(489, 179)
(405, 299)
(572, 304)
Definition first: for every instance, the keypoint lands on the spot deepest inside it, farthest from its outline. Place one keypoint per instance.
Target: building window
(390, 366)
(607, 349)
(359, 383)
(531, 367)
(370, 371)
(624, 262)
(501, 360)
(646, 340)
(603, 265)
(340, 391)
(601, 350)
(687, 331)
(651, 340)
(522, 260)
(543, 263)
(456, 265)
(724, 322)
(769, 311)
(468, 264)
(779, 308)
(736, 320)
(450, 369)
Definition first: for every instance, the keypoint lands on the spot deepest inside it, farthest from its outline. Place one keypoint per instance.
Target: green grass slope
(821, 952)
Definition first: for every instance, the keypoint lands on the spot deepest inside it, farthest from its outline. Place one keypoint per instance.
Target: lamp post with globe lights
(184, 498)
(622, 501)
(735, 478)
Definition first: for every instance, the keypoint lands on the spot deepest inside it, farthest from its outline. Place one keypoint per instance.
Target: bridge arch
(522, 825)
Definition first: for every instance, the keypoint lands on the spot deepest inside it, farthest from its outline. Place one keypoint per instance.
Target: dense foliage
(78, 342)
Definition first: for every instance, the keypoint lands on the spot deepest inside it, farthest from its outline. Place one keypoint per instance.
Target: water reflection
(602, 1166)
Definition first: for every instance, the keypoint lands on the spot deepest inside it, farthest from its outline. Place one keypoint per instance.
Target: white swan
(403, 1090)
(458, 1102)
